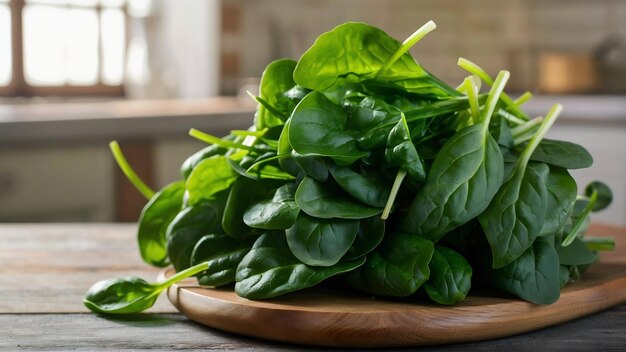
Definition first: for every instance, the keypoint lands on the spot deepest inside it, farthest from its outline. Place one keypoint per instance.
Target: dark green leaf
(567, 155)
(223, 253)
(318, 128)
(534, 276)
(243, 192)
(368, 237)
(153, 222)
(191, 162)
(189, 226)
(270, 269)
(313, 166)
(278, 213)
(327, 200)
(562, 191)
(463, 179)
(517, 213)
(400, 151)
(121, 296)
(398, 267)
(370, 188)
(605, 196)
(576, 253)
(450, 277)
(321, 242)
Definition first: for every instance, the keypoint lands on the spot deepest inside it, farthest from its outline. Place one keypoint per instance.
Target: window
(62, 47)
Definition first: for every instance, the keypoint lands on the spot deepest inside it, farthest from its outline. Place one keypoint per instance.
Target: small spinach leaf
(153, 222)
(210, 176)
(370, 188)
(450, 277)
(222, 253)
(567, 155)
(279, 213)
(398, 267)
(270, 269)
(326, 200)
(321, 242)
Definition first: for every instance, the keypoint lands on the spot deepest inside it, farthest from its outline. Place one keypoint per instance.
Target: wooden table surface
(46, 268)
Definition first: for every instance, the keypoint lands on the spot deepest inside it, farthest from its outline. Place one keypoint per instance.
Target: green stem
(523, 98)
(244, 133)
(182, 275)
(469, 86)
(600, 243)
(578, 226)
(407, 44)
(526, 127)
(547, 122)
(478, 71)
(492, 99)
(393, 193)
(510, 117)
(129, 172)
(207, 138)
(268, 106)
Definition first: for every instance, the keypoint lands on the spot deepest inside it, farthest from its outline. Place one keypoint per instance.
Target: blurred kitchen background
(75, 74)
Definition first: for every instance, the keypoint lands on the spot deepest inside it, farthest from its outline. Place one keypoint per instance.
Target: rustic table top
(46, 268)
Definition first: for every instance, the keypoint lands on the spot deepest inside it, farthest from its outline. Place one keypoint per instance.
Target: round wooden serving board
(331, 317)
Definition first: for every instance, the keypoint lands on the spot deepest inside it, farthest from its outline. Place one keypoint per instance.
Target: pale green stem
(600, 243)
(393, 194)
(547, 122)
(478, 71)
(244, 133)
(510, 117)
(526, 127)
(522, 139)
(207, 138)
(578, 226)
(472, 95)
(182, 275)
(407, 44)
(492, 99)
(523, 98)
(129, 172)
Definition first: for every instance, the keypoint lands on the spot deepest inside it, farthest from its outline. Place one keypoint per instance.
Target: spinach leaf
(576, 253)
(191, 162)
(368, 237)
(189, 226)
(463, 178)
(400, 151)
(275, 81)
(398, 267)
(210, 176)
(356, 52)
(517, 214)
(222, 253)
(450, 277)
(321, 242)
(284, 150)
(279, 213)
(370, 188)
(561, 195)
(243, 192)
(131, 294)
(313, 166)
(567, 155)
(270, 269)
(326, 200)
(318, 128)
(604, 194)
(153, 222)
(534, 276)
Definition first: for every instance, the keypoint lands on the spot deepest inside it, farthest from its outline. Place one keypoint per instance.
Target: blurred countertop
(131, 119)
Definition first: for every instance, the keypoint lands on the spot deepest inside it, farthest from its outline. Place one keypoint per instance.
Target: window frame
(18, 86)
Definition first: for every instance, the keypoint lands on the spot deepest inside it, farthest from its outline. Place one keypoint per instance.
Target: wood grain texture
(47, 268)
(329, 317)
(605, 331)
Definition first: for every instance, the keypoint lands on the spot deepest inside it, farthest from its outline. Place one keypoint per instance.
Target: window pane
(82, 46)
(45, 31)
(113, 39)
(5, 45)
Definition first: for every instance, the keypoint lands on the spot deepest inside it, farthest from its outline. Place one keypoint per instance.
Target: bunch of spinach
(360, 164)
